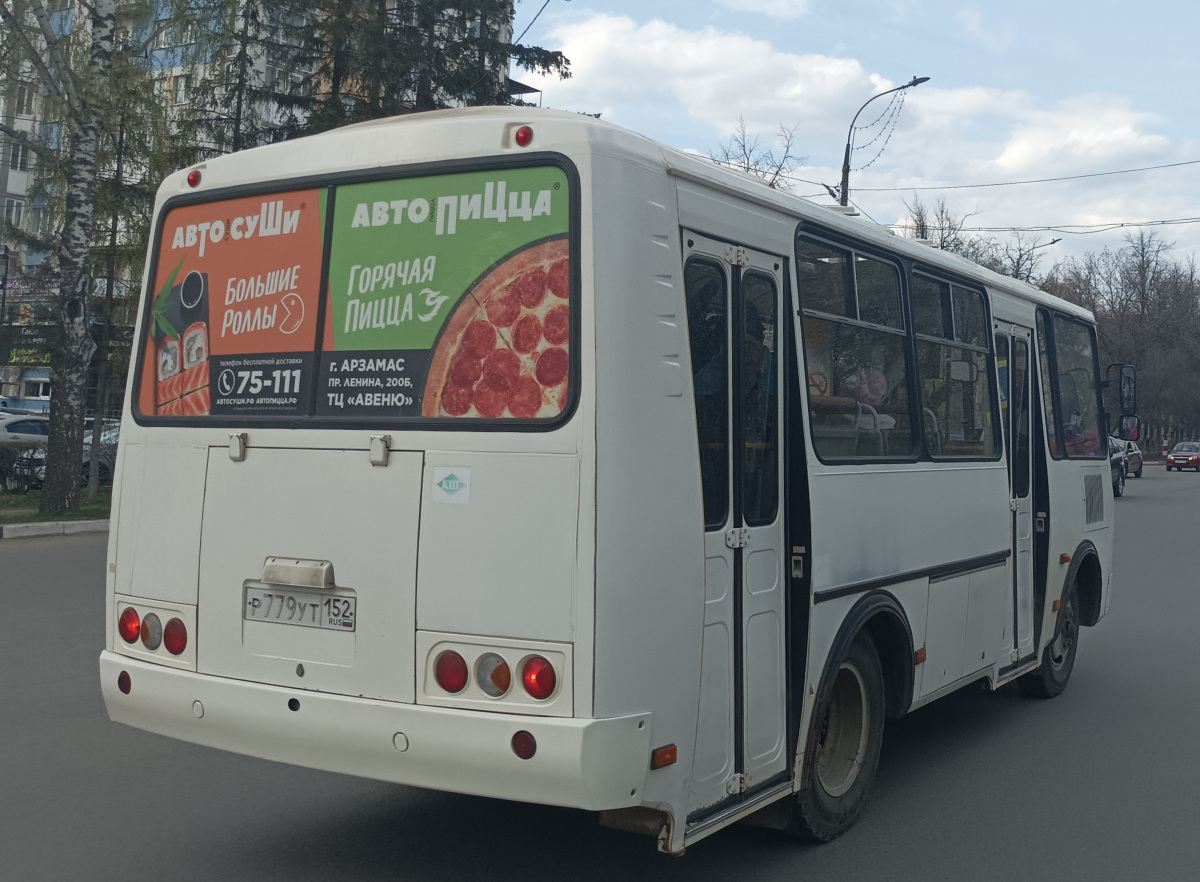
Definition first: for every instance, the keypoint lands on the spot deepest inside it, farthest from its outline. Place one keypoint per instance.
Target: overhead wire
(1066, 229)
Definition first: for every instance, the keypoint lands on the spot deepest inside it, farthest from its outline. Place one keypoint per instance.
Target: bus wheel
(1051, 677)
(843, 747)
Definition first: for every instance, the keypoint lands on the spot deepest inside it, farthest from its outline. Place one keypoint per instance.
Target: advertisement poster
(448, 297)
(234, 316)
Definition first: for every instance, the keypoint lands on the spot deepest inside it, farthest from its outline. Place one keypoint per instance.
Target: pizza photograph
(505, 351)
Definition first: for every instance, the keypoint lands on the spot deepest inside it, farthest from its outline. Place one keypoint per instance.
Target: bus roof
(373, 144)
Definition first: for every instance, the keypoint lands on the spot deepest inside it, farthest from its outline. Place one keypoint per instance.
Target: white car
(23, 427)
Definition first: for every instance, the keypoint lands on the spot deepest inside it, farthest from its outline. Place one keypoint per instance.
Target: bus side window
(954, 366)
(706, 292)
(1047, 389)
(1078, 395)
(858, 383)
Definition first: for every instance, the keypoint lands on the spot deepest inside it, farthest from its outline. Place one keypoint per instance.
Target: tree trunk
(71, 357)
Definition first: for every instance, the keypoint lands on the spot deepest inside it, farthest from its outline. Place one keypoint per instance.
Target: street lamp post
(845, 190)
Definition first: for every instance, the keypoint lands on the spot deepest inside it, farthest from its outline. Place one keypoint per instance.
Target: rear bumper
(585, 764)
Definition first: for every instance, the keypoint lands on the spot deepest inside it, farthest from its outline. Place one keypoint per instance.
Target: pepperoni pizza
(505, 352)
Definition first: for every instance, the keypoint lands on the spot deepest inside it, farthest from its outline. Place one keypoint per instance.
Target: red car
(1184, 455)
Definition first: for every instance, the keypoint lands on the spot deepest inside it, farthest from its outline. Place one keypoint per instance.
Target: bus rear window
(445, 297)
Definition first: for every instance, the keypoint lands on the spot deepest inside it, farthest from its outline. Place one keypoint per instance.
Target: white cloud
(688, 87)
(1083, 133)
(773, 8)
(993, 38)
(716, 76)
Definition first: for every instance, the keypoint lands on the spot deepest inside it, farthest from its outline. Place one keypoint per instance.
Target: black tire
(1138, 474)
(1053, 674)
(1168, 468)
(843, 747)
(1119, 483)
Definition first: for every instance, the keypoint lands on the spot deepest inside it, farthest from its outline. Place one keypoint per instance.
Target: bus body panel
(649, 574)
(158, 518)
(509, 538)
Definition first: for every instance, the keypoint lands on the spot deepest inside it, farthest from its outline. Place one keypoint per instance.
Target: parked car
(30, 468)
(1133, 459)
(1116, 463)
(23, 427)
(1184, 455)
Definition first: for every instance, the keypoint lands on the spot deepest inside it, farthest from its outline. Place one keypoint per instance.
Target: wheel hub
(842, 742)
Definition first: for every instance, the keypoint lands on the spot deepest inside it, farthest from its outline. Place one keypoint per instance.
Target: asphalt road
(1101, 783)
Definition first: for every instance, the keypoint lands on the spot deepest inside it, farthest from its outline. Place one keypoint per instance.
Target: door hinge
(735, 256)
(735, 784)
(379, 447)
(1012, 505)
(738, 537)
(237, 446)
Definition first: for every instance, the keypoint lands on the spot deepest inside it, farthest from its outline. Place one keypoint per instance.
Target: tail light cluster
(149, 629)
(491, 673)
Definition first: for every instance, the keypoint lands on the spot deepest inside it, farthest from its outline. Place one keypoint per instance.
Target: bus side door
(1013, 355)
(734, 301)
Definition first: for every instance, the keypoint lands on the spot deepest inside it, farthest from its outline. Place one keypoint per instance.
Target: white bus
(507, 452)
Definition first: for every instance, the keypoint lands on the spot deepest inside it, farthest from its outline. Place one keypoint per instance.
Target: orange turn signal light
(1064, 558)
(663, 756)
(920, 656)
(1057, 605)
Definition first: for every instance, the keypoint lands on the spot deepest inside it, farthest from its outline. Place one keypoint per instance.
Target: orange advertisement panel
(233, 321)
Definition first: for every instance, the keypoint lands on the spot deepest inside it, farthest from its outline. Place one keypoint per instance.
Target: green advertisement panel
(448, 297)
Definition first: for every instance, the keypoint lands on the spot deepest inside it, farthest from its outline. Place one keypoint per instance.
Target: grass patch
(26, 508)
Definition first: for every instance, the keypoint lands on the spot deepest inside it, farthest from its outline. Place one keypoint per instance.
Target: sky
(1018, 91)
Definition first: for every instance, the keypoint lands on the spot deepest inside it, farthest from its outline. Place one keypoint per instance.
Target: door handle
(797, 566)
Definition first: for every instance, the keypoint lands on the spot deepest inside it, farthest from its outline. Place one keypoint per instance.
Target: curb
(52, 528)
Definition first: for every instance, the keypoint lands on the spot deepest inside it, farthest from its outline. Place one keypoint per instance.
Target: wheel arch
(881, 617)
(1088, 577)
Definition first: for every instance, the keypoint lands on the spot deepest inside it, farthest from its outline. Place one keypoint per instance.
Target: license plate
(310, 609)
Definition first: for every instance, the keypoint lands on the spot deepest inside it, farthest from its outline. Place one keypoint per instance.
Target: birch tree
(68, 53)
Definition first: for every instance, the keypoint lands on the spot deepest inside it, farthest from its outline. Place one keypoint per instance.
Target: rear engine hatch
(284, 529)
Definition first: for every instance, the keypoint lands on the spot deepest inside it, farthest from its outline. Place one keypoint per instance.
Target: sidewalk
(52, 528)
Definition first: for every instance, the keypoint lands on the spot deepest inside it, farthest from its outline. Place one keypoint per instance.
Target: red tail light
(124, 683)
(175, 636)
(539, 677)
(128, 625)
(450, 671)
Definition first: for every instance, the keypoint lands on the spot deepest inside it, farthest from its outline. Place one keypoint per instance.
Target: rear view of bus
(347, 528)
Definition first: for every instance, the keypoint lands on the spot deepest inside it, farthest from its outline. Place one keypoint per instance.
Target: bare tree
(1019, 256)
(944, 229)
(1147, 308)
(746, 152)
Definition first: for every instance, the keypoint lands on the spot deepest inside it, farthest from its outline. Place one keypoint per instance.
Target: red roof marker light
(524, 136)
(193, 178)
